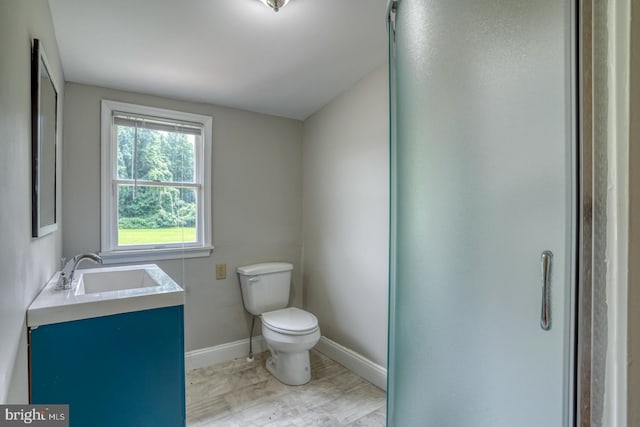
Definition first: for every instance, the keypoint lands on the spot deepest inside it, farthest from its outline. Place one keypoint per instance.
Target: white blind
(155, 123)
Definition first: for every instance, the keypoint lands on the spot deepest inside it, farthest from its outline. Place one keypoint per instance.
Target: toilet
(289, 332)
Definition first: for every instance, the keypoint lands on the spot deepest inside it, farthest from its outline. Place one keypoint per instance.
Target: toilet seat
(290, 321)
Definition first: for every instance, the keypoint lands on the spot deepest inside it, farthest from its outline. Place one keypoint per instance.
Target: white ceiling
(235, 53)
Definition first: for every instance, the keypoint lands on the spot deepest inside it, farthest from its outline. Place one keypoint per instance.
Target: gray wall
(346, 220)
(257, 203)
(25, 263)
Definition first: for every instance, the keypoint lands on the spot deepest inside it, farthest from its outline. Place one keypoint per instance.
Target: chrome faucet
(66, 276)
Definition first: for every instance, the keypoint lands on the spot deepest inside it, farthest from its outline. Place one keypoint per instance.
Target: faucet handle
(63, 261)
(63, 282)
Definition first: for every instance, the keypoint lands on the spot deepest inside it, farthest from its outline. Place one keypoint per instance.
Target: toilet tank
(265, 287)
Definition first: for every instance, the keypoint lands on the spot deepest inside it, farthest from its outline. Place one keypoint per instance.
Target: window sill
(145, 255)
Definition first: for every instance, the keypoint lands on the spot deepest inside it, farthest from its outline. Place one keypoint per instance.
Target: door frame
(610, 98)
(585, 287)
(602, 386)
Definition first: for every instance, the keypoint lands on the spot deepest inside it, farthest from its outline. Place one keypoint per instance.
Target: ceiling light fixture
(276, 5)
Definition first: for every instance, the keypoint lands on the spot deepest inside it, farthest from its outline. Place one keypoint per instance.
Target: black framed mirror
(44, 118)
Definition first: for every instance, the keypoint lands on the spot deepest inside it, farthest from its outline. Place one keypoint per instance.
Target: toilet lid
(291, 321)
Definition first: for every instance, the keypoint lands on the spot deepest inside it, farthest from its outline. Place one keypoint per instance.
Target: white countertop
(55, 306)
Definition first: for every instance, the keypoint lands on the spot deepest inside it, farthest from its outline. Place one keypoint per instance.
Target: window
(156, 183)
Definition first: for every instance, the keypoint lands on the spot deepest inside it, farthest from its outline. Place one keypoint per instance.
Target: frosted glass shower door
(483, 185)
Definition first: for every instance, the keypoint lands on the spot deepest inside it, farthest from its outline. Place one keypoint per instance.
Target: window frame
(110, 251)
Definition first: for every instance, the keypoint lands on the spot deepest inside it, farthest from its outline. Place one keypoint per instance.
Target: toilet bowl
(290, 333)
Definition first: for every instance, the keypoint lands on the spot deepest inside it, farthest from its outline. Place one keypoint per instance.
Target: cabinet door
(120, 370)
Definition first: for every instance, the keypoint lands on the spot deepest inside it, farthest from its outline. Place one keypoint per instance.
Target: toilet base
(290, 368)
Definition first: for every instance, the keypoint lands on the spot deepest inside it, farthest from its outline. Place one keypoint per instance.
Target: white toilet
(289, 332)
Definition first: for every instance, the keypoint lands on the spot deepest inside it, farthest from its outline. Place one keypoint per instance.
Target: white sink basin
(114, 280)
(105, 291)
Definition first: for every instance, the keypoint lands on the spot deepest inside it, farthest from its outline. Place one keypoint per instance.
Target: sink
(114, 280)
(97, 292)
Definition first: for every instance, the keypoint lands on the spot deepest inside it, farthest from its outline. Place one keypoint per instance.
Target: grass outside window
(144, 236)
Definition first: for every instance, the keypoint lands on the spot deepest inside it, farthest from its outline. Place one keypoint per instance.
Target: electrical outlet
(221, 271)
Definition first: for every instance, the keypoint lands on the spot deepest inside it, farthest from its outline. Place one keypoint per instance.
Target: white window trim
(109, 251)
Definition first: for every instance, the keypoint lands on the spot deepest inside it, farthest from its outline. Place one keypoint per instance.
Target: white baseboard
(375, 374)
(222, 353)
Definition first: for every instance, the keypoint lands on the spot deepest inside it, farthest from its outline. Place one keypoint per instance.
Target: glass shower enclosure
(483, 213)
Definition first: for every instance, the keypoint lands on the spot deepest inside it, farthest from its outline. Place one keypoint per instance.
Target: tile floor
(239, 393)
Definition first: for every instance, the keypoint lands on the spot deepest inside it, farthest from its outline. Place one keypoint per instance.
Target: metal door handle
(545, 315)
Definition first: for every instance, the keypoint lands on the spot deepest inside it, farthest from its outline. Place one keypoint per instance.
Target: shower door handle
(545, 313)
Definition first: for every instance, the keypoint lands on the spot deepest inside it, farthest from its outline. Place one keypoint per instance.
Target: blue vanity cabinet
(114, 371)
